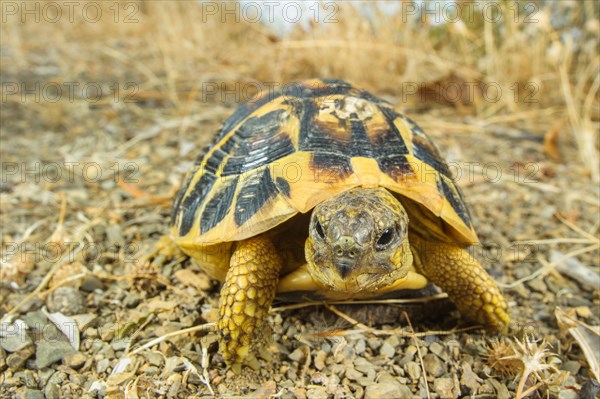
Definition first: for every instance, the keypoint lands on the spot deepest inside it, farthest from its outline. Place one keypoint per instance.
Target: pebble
(433, 365)
(501, 389)
(469, 379)
(568, 394)
(386, 390)
(320, 358)
(30, 394)
(29, 377)
(353, 374)
(16, 360)
(363, 365)
(51, 392)
(414, 371)
(537, 285)
(14, 342)
(102, 366)
(66, 300)
(374, 343)
(2, 360)
(91, 283)
(360, 347)
(393, 341)
(387, 350)
(439, 350)
(572, 366)
(297, 355)
(51, 351)
(299, 393)
(317, 393)
(155, 359)
(409, 355)
(444, 387)
(75, 360)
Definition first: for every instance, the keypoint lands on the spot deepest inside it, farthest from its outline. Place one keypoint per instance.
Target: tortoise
(386, 213)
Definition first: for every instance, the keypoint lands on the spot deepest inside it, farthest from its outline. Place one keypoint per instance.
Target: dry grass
(547, 72)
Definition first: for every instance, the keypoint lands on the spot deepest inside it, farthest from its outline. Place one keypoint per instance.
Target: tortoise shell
(286, 151)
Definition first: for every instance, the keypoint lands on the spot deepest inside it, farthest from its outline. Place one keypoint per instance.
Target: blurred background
(532, 65)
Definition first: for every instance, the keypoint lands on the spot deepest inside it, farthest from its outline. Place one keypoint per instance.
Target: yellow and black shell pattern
(286, 151)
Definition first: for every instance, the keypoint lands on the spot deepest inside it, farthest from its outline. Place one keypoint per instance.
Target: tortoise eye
(319, 230)
(385, 239)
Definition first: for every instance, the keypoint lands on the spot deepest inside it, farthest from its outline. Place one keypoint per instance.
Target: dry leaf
(200, 281)
(574, 269)
(551, 143)
(588, 338)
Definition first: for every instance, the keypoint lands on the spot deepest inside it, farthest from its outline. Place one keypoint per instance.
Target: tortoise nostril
(339, 252)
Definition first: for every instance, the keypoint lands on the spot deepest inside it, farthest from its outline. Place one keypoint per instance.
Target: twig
(208, 326)
(548, 266)
(362, 302)
(419, 353)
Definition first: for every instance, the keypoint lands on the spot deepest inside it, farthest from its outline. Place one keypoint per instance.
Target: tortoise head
(358, 241)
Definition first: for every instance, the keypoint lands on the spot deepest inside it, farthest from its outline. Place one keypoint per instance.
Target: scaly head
(358, 241)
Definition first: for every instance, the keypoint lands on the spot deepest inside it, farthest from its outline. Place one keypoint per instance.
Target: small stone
(568, 394)
(13, 342)
(30, 394)
(360, 347)
(66, 300)
(444, 387)
(299, 393)
(297, 355)
(317, 393)
(29, 378)
(16, 360)
(153, 370)
(500, 388)
(155, 359)
(409, 355)
(374, 343)
(384, 376)
(131, 300)
(572, 366)
(393, 341)
(469, 379)
(51, 392)
(433, 365)
(353, 374)
(363, 365)
(320, 358)
(91, 283)
(537, 285)
(365, 381)
(102, 366)
(388, 390)
(75, 360)
(414, 371)
(438, 350)
(51, 351)
(387, 350)
(3, 365)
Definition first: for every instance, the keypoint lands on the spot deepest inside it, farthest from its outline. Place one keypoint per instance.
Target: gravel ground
(79, 237)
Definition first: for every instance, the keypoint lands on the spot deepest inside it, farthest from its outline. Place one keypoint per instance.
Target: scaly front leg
(461, 276)
(246, 297)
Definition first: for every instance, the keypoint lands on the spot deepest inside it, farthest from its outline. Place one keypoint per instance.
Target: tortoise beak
(345, 257)
(344, 267)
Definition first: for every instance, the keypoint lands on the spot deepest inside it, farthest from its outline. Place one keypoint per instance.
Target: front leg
(246, 297)
(463, 278)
